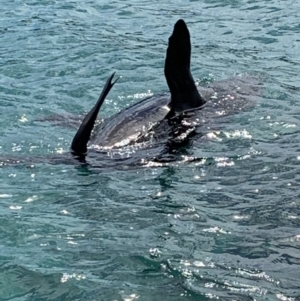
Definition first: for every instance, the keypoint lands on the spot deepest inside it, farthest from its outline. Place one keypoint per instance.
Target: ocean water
(227, 228)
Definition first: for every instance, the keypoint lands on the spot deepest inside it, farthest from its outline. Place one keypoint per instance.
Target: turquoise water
(226, 228)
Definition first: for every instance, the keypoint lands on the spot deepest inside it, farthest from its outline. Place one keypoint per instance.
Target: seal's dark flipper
(80, 141)
(184, 93)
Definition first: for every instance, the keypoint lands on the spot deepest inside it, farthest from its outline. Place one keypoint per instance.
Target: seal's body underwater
(156, 121)
(132, 126)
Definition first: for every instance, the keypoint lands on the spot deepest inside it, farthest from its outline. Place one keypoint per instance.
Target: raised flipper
(184, 93)
(80, 141)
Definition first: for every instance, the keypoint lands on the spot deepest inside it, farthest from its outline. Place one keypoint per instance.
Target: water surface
(225, 228)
